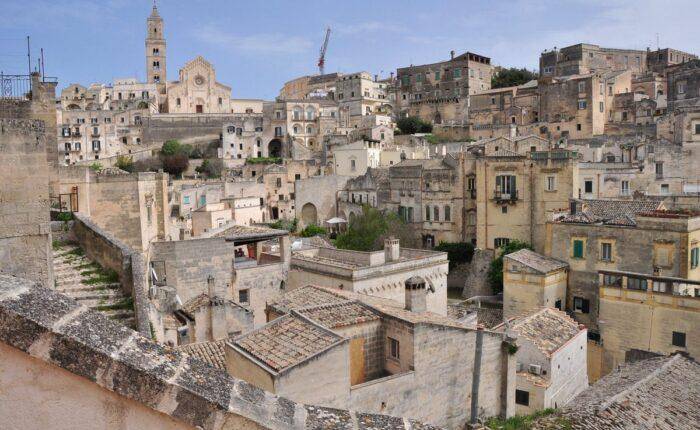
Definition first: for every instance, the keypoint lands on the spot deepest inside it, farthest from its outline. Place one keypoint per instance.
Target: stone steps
(95, 295)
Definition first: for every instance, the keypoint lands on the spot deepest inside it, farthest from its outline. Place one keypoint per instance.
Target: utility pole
(29, 57)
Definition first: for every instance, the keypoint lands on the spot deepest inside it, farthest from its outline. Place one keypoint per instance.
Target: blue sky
(256, 46)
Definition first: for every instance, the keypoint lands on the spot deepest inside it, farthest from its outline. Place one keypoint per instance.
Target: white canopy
(336, 220)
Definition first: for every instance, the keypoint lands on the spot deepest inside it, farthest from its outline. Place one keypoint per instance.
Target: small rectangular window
(243, 296)
(637, 284)
(582, 104)
(549, 185)
(694, 257)
(606, 251)
(588, 186)
(578, 248)
(678, 339)
(522, 397)
(394, 351)
(581, 305)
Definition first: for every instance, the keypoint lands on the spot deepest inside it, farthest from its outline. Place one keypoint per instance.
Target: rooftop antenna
(658, 47)
(322, 53)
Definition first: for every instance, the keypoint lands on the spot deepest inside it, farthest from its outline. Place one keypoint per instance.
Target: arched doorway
(309, 214)
(274, 148)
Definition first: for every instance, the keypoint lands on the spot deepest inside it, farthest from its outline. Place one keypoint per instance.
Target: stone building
(197, 90)
(631, 236)
(382, 273)
(230, 263)
(684, 102)
(156, 70)
(371, 189)
(532, 281)
(505, 112)
(439, 92)
(210, 216)
(358, 95)
(519, 184)
(306, 86)
(642, 315)
(244, 137)
(585, 58)
(315, 198)
(355, 158)
(347, 350)
(98, 373)
(551, 359)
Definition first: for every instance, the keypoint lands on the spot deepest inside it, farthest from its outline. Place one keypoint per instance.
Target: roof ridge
(614, 399)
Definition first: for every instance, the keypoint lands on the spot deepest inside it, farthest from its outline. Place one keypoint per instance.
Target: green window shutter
(578, 249)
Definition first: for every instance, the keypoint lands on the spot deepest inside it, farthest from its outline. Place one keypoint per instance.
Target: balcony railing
(17, 87)
(501, 196)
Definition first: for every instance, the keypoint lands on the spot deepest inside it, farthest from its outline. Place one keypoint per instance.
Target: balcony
(505, 197)
(76, 134)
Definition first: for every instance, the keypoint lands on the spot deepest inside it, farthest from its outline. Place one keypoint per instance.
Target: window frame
(394, 348)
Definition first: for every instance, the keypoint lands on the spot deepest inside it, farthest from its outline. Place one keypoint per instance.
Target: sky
(256, 46)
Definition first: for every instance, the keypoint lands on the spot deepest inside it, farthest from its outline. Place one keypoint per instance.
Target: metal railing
(17, 87)
(501, 196)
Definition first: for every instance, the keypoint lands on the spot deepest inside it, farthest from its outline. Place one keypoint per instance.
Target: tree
(413, 124)
(495, 274)
(175, 164)
(211, 168)
(312, 230)
(152, 164)
(457, 252)
(171, 147)
(125, 163)
(367, 232)
(511, 77)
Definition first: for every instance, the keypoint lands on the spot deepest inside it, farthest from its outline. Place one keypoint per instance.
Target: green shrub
(413, 124)
(264, 160)
(312, 230)
(366, 232)
(457, 252)
(96, 166)
(64, 216)
(212, 168)
(125, 163)
(525, 422)
(284, 224)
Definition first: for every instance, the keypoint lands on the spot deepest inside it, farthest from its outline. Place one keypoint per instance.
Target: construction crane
(322, 53)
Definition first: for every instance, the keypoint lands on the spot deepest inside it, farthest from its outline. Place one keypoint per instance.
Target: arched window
(297, 113)
(447, 213)
(310, 113)
(427, 213)
(295, 129)
(309, 130)
(436, 213)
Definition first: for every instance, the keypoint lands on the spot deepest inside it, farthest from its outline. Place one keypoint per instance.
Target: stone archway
(309, 214)
(274, 148)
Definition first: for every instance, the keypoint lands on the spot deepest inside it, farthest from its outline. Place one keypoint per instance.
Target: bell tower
(155, 50)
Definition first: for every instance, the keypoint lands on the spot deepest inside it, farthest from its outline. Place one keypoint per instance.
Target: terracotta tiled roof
(548, 329)
(212, 353)
(304, 297)
(613, 212)
(658, 393)
(340, 314)
(286, 342)
(538, 262)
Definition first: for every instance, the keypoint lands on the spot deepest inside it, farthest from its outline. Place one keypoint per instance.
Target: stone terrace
(57, 330)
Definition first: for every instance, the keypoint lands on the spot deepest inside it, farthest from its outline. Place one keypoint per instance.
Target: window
(612, 280)
(694, 257)
(550, 184)
(606, 251)
(436, 213)
(457, 73)
(578, 247)
(506, 184)
(221, 101)
(659, 169)
(504, 209)
(681, 87)
(588, 186)
(578, 127)
(177, 101)
(447, 213)
(601, 106)
(427, 213)
(297, 176)
(95, 145)
(636, 284)
(697, 128)
(581, 305)
(186, 200)
(278, 182)
(678, 339)
(582, 104)
(582, 87)
(664, 189)
(394, 351)
(500, 242)
(437, 75)
(243, 296)
(202, 200)
(625, 188)
(353, 165)
(522, 397)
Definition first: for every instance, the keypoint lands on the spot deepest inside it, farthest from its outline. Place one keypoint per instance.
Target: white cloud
(362, 28)
(265, 43)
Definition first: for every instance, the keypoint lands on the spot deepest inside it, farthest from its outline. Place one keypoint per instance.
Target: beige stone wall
(37, 395)
(645, 321)
(525, 290)
(241, 367)
(25, 235)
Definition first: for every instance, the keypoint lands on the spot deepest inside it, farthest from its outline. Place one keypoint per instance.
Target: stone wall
(25, 233)
(476, 282)
(319, 191)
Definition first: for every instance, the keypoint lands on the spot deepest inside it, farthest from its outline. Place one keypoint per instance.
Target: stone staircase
(80, 278)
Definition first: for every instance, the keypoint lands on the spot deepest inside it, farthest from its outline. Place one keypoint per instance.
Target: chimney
(376, 78)
(452, 55)
(416, 295)
(391, 75)
(392, 250)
